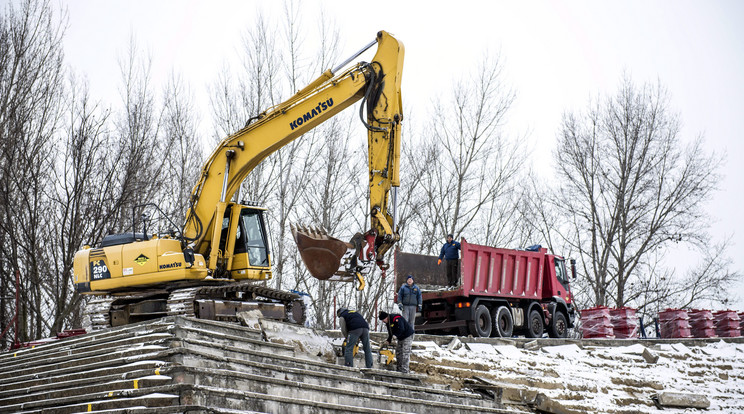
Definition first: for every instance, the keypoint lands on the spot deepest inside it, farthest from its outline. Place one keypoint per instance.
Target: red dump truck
(502, 292)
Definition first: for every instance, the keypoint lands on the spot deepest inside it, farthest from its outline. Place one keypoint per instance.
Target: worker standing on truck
(354, 327)
(451, 254)
(409, 300)
(398, 326)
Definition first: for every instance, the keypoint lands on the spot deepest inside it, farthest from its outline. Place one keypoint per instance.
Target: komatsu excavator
(211, 269)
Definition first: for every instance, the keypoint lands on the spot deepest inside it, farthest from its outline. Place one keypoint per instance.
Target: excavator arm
(378, 84)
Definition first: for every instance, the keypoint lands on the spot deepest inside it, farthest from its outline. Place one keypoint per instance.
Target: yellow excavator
(210, 269)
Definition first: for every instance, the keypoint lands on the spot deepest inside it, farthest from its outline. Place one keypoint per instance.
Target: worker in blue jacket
(354, 327)
(403, 331)
(451, 254)
(409, 300)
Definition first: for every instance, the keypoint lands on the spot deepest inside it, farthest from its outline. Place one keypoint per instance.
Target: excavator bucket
(322, 254)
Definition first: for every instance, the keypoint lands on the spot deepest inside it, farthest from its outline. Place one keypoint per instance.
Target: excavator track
(96, 315)
(221, 302)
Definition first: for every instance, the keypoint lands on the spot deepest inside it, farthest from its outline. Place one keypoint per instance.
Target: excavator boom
(148, 275)
(377, 84)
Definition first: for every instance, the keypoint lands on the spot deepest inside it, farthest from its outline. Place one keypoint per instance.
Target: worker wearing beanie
(403, 331)
(451, 255)
(354, 327)
(409, 300)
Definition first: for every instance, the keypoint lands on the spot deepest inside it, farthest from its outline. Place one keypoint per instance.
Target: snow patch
(508, 351)
(566, 351)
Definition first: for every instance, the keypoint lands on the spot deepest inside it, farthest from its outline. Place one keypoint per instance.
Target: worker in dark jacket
(409, 300)
(451, 254)
(403, 331)
(354, 327)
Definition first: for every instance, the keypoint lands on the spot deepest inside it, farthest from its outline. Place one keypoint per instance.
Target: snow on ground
(601, 379)
(584, 376)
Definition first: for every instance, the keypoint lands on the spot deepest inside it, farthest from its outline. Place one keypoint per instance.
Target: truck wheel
(482, 325)
(535, 325)
(559, 327)
(503, 323)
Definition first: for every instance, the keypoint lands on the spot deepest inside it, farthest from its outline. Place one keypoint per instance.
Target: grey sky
(557, 56)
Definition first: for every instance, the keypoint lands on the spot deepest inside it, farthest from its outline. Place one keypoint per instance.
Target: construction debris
(680, 400)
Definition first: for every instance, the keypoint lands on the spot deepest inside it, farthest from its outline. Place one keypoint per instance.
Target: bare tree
(139, 147)
(465, 168)
(31, 75)
(182, 155)
(629, 189)
(78, 207)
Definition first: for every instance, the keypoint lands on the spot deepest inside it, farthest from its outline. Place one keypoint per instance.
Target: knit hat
(449, 235)
(338, 312)
(409, 277)
(383, 315)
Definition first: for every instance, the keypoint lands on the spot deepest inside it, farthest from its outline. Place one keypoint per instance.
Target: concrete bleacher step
(79, 345)
(109, 387)
(85, 381)
(401, 400)
(188, 365)
(340, 378)
(228, 343)
(229, 398)
(228, 328)
(88, 364)
(160, 396)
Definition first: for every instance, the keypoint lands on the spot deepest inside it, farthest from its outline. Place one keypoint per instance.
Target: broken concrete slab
(680, 400)
(649, 356)
(454, 344)
(543, 403)
(531, 345)
(305, 340)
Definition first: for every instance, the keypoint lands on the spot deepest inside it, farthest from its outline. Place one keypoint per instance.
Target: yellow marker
(90, 407)
(16, 354)
(111, 394)
(33, 346)
(135, 384)
(157, 371)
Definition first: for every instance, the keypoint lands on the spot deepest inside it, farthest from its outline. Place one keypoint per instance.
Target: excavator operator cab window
(252, 232)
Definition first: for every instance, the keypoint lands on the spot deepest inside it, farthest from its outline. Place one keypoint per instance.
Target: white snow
(606, 379)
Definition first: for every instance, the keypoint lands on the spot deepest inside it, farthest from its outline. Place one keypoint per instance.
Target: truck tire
(481, 326)
(559, 327)
(503, 323)
(535, 324)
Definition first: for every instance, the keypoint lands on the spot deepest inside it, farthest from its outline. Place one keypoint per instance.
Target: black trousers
(453, 276)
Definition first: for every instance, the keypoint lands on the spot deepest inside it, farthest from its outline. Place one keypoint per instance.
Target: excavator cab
(244, 244)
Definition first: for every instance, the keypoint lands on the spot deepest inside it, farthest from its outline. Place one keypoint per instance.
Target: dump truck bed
(484, 271)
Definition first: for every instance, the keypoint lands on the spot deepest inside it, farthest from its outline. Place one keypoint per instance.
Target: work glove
(439, 262)
(400, 306)
(419, 308)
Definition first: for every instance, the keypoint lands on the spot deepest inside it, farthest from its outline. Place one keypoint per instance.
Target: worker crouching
(403, 331)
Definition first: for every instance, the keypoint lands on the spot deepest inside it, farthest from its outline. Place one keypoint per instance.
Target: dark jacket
(450, 251)
(351, 321)
(398, 326)
(409, 295)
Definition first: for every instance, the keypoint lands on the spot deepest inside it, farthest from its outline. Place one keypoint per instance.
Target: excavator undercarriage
(220, 300)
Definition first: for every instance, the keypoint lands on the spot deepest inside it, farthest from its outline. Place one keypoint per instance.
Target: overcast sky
(557, 56)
